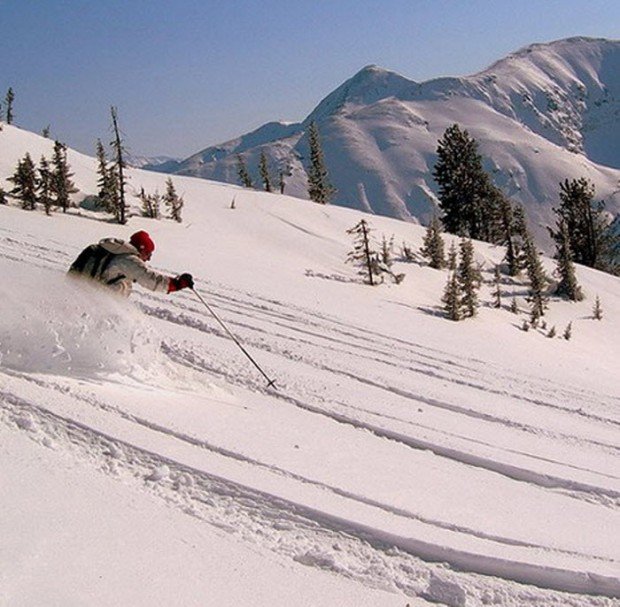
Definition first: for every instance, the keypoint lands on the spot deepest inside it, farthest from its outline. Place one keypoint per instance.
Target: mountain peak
(372, 83)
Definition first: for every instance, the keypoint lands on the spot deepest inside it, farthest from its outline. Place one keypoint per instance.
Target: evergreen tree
(534, 315)
(25, 183)
(319, 188)
(433, 248)
(593, 242)
(568, 332)
(62, 185)
(46, 132)
(45, 185)
(242, 171)
(452, 257)
(3, 198)
(407, 253)
(536, 275)
(362, 254)
(264, 171)
(452, 298)
(493, 204)
(567, 286)
(387, 249)
(108, 191)
(597, 311)
(284, 171)
(150, 204)
(552, 332)
(497, 293)
(173, 202)
(10, 98)
(465, 190)
(514, 308)
(469, 278)
(508, 234)
(118, 170)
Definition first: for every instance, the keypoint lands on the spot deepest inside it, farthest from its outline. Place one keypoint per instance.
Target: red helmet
(142, 241)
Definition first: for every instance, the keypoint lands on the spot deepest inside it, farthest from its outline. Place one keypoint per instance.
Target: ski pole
(270, 382)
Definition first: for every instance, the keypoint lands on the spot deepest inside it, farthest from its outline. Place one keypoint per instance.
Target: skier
(118, 264)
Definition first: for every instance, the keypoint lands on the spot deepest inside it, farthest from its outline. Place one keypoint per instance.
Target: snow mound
(54, 324)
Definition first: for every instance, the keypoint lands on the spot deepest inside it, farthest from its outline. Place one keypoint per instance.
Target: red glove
(185, 281)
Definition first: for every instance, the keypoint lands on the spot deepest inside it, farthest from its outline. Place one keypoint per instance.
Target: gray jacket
(124, 268)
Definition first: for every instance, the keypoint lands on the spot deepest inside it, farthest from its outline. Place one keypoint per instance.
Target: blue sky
(186, 74)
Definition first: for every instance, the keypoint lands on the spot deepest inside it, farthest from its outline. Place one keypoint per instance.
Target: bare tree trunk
(118, 146)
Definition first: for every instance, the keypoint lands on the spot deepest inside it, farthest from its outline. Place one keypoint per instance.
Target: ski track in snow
(306, 535)
(309, 536)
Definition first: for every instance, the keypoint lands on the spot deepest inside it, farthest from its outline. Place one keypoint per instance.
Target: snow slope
(402, 459)
(546, 113)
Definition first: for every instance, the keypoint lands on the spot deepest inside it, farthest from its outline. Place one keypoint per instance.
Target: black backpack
(92, 262)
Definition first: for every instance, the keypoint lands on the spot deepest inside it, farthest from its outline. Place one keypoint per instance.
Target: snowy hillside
(403, 459)
(544, 114)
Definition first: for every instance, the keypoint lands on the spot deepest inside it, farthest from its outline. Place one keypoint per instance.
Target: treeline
(320, 189)
(49, 185)
(460, 298)
(472, 206)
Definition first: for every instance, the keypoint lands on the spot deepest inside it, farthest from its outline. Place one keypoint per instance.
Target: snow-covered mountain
(541, 115)
(402, 458)
(162, 164)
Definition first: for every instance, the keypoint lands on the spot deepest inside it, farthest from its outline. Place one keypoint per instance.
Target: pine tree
(497, 294)
(452, 257)
(514, 308)
(433, 245)
(62, 184)
(173, 202)
(3, 197)
(45, 185)
(118, 170)
(597, 311)
(452, 298)
(469, 279)
(108, 191)
(46, 132)
(150, 204)
(387, 249)
(536, 275)
(508, 234)
(25, 183)
(242, 171)
(465, 190)
(284, 171)
(593, 241)
(362, 254)
(568, 332)
(407, 253)
(567, 287)
(319, 188)
(10, 98)
(264, 171)
(534, 315)
(552, 332)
